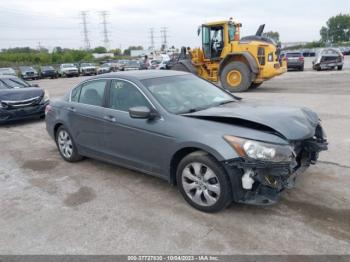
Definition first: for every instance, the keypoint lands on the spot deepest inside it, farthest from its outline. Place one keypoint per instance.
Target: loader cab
(212, 41)
(215, 37)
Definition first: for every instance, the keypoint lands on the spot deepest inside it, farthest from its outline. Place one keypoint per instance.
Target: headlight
(260, 150)
(270, 57)
(45, 98)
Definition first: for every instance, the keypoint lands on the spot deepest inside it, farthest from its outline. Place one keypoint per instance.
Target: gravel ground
(49, 206)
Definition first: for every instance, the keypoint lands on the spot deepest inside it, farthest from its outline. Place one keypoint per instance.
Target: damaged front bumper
(262, 182)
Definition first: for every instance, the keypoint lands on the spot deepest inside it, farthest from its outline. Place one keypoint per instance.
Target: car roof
(141, 74)
(7, 76)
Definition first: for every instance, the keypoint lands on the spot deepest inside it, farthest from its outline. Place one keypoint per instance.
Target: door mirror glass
(140, 112)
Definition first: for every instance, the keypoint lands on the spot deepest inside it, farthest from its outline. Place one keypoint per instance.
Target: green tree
(273, 35)
(99, 50)
(116, 52)
(337, 29)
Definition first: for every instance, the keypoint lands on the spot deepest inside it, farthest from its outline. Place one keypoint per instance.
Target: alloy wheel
(65, 144)
(201, 184)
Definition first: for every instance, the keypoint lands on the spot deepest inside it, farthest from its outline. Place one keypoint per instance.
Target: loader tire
(179, 67)
(236, 77)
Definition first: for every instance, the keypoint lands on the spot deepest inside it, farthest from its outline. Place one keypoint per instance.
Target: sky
(51, 23)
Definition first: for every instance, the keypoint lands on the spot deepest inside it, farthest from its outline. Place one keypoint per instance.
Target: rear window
(293, 55)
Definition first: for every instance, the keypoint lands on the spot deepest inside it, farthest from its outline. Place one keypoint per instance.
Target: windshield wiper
(225, 102)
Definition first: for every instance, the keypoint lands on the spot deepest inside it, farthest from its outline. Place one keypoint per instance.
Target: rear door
(86, 116)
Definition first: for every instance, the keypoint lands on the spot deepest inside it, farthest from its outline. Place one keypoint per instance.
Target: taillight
(48, 108)
(301, 58)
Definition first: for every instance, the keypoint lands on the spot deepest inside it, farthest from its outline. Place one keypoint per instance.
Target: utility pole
(85, 31)
(105, 31)
(164, 36)
(151, 32)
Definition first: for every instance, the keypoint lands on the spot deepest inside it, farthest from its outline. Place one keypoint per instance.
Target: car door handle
(110, 118)
(72, 109)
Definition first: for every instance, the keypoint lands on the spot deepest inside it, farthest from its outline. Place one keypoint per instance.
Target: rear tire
(66, 145)
(203, 182)
(236, 77)
(301, 68)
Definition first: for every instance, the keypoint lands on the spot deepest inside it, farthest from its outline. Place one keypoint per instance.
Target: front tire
(203, 182)
(66, 145)
(236, 77)
(339, 68)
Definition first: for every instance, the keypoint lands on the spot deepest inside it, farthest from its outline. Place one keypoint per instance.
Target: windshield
(293, 55)
(186, 93)
(25, 68)
(86, 64)
(47, 68)
(133, 63)
(6, 70)
(15, 82)
(68, 65)
(106, 65)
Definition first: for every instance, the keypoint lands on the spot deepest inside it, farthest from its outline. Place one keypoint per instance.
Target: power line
(151, 32)
(105, 31)
(85, 31)
(164, 37)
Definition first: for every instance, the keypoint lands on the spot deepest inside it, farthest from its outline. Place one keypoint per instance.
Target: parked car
(295, 60)
(87, 69)
(48, 71)
(213, 145)
(131, 65)
(7, 71)
(107, 68)
(28, 72)
(158, 64)
(20, 100)
(328, 58)
(68, 70)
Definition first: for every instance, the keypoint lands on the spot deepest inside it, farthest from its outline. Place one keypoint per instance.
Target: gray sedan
(216, 147)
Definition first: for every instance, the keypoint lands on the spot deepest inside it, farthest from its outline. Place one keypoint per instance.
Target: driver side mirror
(198, 30)
(142, 112)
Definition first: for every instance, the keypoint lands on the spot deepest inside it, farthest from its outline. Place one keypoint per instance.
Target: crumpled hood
(19, 94)
(293, 123)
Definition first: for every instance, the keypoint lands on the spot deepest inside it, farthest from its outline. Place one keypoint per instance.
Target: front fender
(250, 59)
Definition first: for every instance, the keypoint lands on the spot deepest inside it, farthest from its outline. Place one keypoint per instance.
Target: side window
(124, 95)
(92, 93)
(205, 35)
(231, 32)
(74, 97)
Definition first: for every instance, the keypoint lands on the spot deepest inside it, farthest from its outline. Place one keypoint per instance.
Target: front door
(136, 143)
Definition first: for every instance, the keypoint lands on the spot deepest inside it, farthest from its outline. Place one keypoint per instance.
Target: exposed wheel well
(56, 128)
(179, 155)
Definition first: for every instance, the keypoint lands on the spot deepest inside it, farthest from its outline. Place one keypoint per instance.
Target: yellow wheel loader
(237, 63)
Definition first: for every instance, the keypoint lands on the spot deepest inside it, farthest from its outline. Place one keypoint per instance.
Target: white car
(7, 71)
(87, 69)
(68, 70)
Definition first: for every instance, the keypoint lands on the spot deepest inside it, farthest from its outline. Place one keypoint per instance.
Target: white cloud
(25, 23)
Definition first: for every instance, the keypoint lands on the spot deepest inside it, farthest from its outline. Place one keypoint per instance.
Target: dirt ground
(49, 206)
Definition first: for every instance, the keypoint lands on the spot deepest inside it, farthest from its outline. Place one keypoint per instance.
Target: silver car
(216, 147)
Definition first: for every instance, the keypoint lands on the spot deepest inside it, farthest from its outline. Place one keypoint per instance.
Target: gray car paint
(149, 145)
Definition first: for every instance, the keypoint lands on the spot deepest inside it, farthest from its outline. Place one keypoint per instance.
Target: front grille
(21, 103)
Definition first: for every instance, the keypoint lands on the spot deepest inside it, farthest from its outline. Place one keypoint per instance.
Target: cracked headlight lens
(260, 150)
